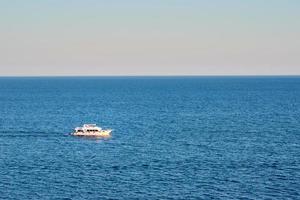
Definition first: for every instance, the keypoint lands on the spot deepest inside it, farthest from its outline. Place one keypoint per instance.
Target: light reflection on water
(175, 138)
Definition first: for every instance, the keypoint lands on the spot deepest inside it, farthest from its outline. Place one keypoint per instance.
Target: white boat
(91, 130)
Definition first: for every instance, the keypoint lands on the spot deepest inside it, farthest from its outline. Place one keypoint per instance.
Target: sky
(149, 37)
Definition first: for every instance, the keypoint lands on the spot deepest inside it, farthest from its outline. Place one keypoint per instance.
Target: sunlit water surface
(173, 138)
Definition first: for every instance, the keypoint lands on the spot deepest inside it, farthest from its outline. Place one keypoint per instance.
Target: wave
(18, 133)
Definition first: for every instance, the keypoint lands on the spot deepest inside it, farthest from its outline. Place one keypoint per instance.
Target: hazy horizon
(154, 75)
(149, 38)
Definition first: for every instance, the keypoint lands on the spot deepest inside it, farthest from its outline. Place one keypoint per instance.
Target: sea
(222, 137)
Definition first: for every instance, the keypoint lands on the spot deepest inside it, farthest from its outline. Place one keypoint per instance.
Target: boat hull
(102, 133)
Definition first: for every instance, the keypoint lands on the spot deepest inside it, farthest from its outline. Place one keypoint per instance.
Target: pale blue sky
(154, 37)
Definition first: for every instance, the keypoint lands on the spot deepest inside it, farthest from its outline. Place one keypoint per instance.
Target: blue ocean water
(173, 138)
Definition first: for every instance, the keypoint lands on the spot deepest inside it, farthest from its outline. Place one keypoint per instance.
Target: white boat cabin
(88, 128)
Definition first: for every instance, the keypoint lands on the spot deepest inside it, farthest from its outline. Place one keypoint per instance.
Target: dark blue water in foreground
(174, 138)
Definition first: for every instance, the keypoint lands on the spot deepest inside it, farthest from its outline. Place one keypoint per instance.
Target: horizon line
(140, 75)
